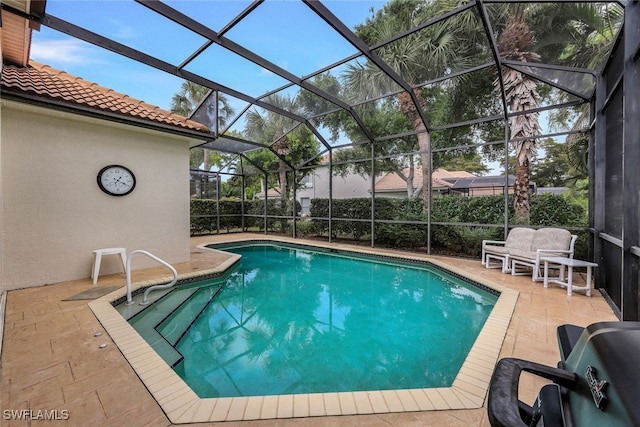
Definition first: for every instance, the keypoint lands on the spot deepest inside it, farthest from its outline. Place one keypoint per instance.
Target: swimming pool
(182, 405)
(293, 320)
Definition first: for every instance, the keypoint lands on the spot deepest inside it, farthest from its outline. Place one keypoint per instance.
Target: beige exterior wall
(53, 212)
(351, 186)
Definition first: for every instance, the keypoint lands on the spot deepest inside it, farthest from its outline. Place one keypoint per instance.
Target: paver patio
(53, 359)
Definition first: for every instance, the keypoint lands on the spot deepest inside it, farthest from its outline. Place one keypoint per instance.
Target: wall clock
(116, 180)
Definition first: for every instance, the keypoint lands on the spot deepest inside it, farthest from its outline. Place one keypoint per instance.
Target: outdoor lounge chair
(525, 247)
(519, 238)
(547, 242)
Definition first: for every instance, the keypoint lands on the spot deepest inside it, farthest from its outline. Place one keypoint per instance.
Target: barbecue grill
(596, 383)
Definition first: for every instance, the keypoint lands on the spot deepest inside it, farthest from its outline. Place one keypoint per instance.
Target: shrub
(279, 212)
(548, 210)
(401, 235)
(230, 214)
(479, 210)
(556, 210)
(203, 216)
(305, 228)
(462, 240)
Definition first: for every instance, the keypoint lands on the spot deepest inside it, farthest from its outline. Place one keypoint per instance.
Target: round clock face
(116, 180)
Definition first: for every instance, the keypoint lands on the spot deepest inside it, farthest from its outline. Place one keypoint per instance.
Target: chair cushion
(522, 254)
(492, 249)
(520, 238)
(551, 238)
(522, 243)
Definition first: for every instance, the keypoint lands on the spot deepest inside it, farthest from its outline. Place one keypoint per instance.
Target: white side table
(570, 263)
(98, 253)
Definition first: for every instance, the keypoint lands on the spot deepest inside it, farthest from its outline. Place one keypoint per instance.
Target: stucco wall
(350, 186)
(53, 212)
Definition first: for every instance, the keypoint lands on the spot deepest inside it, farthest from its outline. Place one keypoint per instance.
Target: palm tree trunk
(424, 142)
(410, 176)
(282, 148)
(521, 192)
(521, 95)
(283, 180)
(409, 110)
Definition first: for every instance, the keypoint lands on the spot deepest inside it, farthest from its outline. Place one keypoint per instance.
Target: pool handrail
(145, 300)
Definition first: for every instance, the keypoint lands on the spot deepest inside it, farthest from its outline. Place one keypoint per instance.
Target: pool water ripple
(290, 321)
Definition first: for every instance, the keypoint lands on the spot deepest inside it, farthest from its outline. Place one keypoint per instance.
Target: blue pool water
(289, 320)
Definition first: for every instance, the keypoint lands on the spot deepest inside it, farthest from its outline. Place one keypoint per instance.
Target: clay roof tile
(46, 81)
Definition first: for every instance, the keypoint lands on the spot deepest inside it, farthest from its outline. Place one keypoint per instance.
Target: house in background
(58, 132)
(391, 185)
(316, 186)
(272, 194)
(356, 186)
(444, 182)
(483, 185)
(455, 183)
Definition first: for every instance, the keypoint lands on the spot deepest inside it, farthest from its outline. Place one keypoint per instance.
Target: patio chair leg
(505, 265)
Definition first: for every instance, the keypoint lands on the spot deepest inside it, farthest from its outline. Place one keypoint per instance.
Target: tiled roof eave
(403, 189)
(39, 80)
(73, 107)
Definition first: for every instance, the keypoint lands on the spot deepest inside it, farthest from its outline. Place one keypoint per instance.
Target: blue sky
(285, 32)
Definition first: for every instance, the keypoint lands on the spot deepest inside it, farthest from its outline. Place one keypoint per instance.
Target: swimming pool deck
(53, 358)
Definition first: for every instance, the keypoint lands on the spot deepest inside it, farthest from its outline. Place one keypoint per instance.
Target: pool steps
(128, 311)
(177, 323)
(166, 321)
(146, 321)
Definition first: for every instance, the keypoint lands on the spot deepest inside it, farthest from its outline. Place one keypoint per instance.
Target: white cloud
(63, 52)
(265, 72)
(121, 31)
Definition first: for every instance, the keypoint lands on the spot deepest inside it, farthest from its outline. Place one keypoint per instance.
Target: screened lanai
(312, 104)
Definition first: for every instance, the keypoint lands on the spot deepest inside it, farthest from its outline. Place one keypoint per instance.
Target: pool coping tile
(182, 405)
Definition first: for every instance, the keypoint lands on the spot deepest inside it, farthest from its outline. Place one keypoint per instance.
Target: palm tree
(189, 98)
(417, 58)
(190, 95)
(592, 28)
(185, 103)
(601, 23)
(271, 128)
(514, 43)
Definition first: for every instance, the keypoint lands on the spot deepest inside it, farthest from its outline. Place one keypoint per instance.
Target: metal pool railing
(145, 298)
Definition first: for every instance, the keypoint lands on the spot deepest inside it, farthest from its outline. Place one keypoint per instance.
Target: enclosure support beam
(293, 207)
(597, 165)
(373, 195)
(498, 60)
(430, 197)
(266, 200)
(243, 198)
(630, 159)
(330, 210)
(218, 203)
(507, 129)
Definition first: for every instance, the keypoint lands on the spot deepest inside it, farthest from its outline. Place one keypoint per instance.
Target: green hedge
(204, 214)
(547, 210)
(344, 211)
(275, 208)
